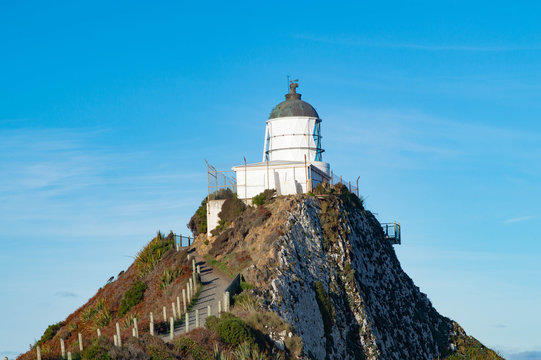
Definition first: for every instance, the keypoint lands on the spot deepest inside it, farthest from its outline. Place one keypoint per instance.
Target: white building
(292, 153)
(292, 156)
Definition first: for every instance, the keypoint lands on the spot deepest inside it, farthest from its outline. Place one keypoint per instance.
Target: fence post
(208, 310)
(191, 290)
(178, 307)
(119, 339)
(135, 327)
(187, 322)
(99, 332)
(226, 301)
(62, 348)
(174, 310)
(133, 332)
(196, 318)
(80, 342)
(69, 355)
(172, 323)
(151, 324)
(164, 314)
(188, 291)
(115, 340)
(193, 272)
(38, 352)
(184, 299)
(219, 308)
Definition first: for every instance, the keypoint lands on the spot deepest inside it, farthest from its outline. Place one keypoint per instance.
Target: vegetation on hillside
(264, 197)
(152, 253)
(132, 297)
(469, 348)
(231, 210)
(50, 332)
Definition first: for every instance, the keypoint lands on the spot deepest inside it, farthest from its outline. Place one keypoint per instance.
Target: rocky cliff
(323, 265)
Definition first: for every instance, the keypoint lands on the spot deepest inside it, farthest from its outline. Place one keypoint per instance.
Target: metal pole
(306, 173)
(358, 177)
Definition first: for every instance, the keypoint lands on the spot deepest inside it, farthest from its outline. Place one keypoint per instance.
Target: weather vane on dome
(293, 85)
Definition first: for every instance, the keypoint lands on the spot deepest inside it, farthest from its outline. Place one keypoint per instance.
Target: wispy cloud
(66, 294)
(410, 139)
(518, 219)
(352, 41)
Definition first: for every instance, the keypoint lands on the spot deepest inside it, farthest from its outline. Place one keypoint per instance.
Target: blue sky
(108, 110)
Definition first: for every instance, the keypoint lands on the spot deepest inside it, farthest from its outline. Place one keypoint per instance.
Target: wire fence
(221, 184)
(337, 179)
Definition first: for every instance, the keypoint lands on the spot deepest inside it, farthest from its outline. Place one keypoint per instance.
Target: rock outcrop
(323, 265)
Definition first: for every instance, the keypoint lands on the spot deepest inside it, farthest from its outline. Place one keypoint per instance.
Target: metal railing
(392, 232)
(182, 241)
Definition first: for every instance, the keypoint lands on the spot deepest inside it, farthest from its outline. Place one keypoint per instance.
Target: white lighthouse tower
(292, 154)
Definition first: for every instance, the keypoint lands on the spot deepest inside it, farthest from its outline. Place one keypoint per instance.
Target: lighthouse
(292, 160)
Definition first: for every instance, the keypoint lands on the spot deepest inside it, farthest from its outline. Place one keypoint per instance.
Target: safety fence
(221, 184)
(337, 179)
(182, 241)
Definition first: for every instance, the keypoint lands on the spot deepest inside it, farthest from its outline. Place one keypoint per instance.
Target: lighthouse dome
(293, 106)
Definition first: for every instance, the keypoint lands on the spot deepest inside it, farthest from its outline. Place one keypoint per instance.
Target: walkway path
(214, 285)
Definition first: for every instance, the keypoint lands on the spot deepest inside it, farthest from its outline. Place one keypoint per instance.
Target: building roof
(293, 106)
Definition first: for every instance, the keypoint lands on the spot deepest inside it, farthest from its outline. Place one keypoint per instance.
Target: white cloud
(518, 219)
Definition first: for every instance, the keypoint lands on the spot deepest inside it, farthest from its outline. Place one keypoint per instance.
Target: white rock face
(375, 312)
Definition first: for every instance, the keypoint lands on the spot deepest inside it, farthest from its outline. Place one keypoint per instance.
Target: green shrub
(98, 314)
(348, 198)
(197, 351)
(96, 352)
(246, 301)
(234, 331)
(132, 297)
(246, 286)
(248, 351)
(198, 222)
(232, 209)
(168, 276)
(264, 197)
(212, 322)
(50, 332)
(152, 253)
(325, 306)
(159, 354)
